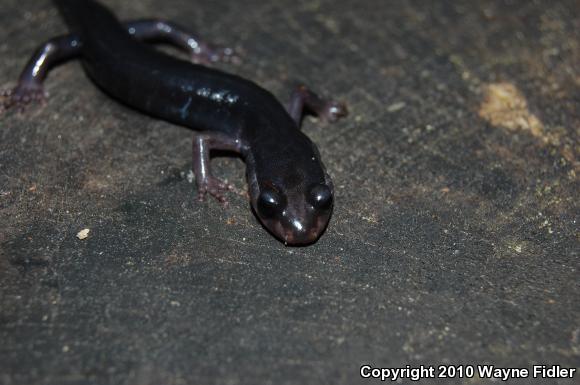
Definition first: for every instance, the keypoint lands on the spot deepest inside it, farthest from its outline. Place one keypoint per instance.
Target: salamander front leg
(203, 144)
(304, 100)
(29, 88)
(167, 32)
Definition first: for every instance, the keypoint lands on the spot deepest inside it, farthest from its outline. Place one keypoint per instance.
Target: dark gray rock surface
(455, 232)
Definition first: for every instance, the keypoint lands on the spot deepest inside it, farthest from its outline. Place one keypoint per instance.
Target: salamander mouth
(297, 233)
(300, 240)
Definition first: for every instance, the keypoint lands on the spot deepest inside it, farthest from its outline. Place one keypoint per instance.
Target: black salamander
(290, 191)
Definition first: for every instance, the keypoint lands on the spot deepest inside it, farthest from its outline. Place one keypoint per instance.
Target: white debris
(83, 234)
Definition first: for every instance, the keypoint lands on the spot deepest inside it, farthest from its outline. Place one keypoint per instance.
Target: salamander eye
(320, 197)
(270, 203)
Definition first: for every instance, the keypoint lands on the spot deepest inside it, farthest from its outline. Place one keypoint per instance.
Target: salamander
(290, 191)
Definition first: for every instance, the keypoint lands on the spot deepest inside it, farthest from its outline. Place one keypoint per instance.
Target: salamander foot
(304, 100)
(333, 111)
(216, 188)
(20, 97)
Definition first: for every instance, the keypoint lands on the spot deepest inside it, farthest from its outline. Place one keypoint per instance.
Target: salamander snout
(298, 217)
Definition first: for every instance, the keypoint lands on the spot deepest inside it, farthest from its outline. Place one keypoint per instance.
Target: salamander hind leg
(203, 144)
(30, 84)
(168, 32)
(304, 100)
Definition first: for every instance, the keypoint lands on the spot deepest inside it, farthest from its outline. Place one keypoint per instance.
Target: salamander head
(297, 216)
(290, 191)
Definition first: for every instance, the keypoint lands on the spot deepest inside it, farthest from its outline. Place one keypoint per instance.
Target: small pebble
(396, 106)
(83, 234)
